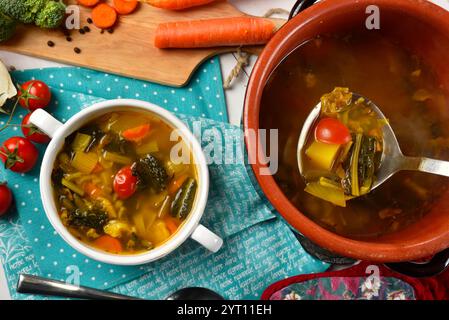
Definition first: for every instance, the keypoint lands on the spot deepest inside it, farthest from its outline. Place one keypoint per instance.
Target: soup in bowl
(400, 68)
(124, 182)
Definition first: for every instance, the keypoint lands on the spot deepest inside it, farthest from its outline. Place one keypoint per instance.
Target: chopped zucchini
(330, 194)
(84, 162)
(328, 183)
(146, 148)
(354, 168)
(360, 168)
(117, 158)
(73, 187)
(81, 142)
(183, 202)
(323, 155)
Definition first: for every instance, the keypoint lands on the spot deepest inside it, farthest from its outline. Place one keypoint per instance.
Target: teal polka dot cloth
(257, 246)
(74, 89)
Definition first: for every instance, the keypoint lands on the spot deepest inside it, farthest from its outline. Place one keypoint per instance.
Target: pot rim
(267, 62)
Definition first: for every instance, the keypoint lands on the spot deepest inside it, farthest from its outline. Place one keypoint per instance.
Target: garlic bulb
(7, 88)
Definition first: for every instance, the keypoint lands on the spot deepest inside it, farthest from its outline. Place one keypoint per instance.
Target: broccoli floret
(150, 172)
(33, 9)
(22, 10)
(90, 218)
(51, 16)
(7, 27)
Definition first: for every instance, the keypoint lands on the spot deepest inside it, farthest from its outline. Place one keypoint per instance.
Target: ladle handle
(30, 284)
(428, 165)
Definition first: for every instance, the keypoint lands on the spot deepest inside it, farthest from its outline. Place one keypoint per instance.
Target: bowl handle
(45, 122)
(299, 6)
(207, 238)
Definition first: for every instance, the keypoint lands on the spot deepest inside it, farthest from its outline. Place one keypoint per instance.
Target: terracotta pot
(418, 25)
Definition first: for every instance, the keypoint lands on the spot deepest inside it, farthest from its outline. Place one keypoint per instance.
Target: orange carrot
(108, 243)
(104, 16)
(176, 184)
(136, 134)
(125, 6)
(88, 3)
(92, 190)
(177, 4)
(214, 32)
(98, 168)
(171, 224)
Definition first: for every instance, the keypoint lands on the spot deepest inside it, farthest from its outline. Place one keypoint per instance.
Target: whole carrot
(234, 31)
(177, 4)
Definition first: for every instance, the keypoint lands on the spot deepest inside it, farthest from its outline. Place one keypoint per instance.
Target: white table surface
(234, 96)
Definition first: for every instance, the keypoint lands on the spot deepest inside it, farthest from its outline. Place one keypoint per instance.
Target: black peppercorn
(86, 29)
(77, 50)
(111, 30)
(89, 20)
(50, 43)
(69, 39)
(82, 31)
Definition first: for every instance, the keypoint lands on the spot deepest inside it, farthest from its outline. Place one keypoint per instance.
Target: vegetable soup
(116, 186)
(409, 95)
(344, 149)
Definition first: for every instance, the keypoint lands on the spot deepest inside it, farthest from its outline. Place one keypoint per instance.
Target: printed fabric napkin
(235, 210)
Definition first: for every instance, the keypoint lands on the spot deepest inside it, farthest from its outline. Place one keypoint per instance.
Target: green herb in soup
(343, 150)
(116, 187)
(413, 101)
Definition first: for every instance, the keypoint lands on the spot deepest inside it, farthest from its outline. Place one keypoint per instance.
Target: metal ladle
(392, 160)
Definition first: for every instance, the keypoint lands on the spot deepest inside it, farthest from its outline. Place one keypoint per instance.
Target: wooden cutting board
(129, 50)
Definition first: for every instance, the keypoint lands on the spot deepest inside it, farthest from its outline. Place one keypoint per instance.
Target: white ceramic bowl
(190, 228)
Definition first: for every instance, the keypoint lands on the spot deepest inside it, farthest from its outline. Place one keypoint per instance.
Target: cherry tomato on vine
(18, 154)
(125, 184)
(31, 132)
(34, 94)
(332, 131)
(5, 198)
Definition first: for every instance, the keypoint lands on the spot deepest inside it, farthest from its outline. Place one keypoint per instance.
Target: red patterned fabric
(434, 288)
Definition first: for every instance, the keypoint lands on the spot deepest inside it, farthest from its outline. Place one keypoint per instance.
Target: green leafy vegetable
(51, 16)
(150, 172)
(73, 187)
(360, 167)
(7, 27)
(117, 158)
(95, 133)
(22, 10)
(81, 142)
(89, 218)
(119, 145)
(183, 202)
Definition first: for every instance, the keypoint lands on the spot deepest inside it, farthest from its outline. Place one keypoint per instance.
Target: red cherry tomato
(34, 94)
(19, 154)
(31, 132)
(332, 131)
(125, 184)
(5, 198)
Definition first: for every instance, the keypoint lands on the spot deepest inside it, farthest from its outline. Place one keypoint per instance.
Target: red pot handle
(435, 266)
